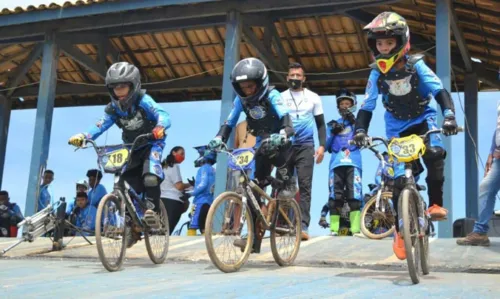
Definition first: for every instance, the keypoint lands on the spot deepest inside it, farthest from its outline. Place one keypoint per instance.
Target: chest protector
(341, 140)
(261, 119)
(133, 124)
(401, 87)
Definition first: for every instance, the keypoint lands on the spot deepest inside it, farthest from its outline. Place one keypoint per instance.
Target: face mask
(295, 83)
(178, 159)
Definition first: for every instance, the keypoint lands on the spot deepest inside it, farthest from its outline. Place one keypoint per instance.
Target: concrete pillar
(43, 121)
(471, 167)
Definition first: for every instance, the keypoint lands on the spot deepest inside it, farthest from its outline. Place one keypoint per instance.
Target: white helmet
(82, 183)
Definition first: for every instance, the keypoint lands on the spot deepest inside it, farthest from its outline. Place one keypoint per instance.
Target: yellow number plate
(117, 158)
(407, 149)
(244, 158)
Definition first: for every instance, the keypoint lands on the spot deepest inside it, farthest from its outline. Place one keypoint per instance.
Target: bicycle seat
(421, 187)
(371, 186)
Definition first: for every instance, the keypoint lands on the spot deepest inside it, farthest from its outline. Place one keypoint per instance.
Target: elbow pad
(444, 100)
(224, 132)
(287, 125)
(363, 120)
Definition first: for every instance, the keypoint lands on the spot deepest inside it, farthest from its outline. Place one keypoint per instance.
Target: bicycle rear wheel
(110, 232)
(224, 221)
(383, 221)
(288, 229)
(408, 210)
(157, 240)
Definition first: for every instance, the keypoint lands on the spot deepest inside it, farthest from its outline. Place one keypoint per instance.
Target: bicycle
(114, 159)
(416, 223)
(378, 215)
(241, 205)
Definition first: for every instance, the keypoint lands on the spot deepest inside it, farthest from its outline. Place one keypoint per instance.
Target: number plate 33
(407, 149)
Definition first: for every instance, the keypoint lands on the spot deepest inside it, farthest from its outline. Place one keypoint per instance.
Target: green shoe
(334, 223)
(355, 218)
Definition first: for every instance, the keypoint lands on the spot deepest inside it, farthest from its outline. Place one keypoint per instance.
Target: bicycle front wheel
(375, 224)
(224, 225)
(409, 213)
(286, 236)
(111, 232)
(157, 240)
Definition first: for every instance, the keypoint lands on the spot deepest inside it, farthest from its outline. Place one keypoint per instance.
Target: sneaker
(305, 234)
(474, 239)
(334, 234)
(151, 219)
(437, 213)
(132, 237)
(398, 246)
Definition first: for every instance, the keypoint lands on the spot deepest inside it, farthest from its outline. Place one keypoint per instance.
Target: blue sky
(195, 123)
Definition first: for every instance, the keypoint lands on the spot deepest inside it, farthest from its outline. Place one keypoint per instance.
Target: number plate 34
(407, 149)
(244, 158)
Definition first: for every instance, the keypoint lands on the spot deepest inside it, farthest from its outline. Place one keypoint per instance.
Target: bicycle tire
(165, 229)
(364, 229)
(408, 211)
(227, 268)
(111, 267)
(424, 245)
(298, 235)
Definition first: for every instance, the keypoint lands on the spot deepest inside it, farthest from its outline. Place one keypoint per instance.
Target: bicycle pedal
(151, 221)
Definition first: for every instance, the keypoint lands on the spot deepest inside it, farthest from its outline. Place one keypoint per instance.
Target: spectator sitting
(46, 193)
(97, 191)
(10, 216)
(81, 186)
(85, 214)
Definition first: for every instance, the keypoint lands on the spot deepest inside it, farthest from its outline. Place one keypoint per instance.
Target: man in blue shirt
(97, 191)
(488, 189)
(306, 112)
(85, 214)
(46, 193)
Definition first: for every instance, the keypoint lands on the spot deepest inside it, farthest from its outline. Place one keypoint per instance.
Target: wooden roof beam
(80, 57)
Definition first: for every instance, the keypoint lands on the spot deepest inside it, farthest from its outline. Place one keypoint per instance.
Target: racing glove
(215, 143)
(323, 223)
(77, 140)
(191, 181)
(336, 127)
(159, 132)
(449, 125)
(360, 139)
(346, 114)
(277, 140)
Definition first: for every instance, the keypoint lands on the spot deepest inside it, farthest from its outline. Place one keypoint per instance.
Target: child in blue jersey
(345, 165)
(267, 117)
(136, 113)
(203, 191)
(407, 86)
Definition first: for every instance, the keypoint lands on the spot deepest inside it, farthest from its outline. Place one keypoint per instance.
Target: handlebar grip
(460, 129)
(350, 142)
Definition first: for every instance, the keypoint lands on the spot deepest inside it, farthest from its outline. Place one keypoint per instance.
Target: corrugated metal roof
(51, 5)
(321, 44)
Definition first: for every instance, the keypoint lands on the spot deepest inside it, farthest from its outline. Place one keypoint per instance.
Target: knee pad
(434, 153)
(354, 205)
(151, 180)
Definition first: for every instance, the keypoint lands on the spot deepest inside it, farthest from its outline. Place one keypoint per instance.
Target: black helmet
(345, 94)
(250, 69)
(124, 72)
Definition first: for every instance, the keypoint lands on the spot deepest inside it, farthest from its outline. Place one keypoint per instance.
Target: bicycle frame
(245, 189)
(121, 188)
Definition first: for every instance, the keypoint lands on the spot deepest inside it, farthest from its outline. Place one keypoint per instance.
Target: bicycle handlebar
(386, 141)
(95, 146)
